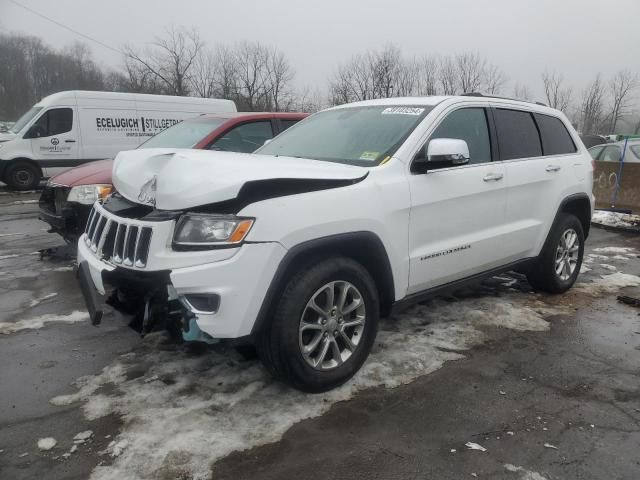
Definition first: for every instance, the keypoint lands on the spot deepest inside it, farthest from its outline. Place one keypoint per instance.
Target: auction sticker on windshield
(403, 111)
(369, 156)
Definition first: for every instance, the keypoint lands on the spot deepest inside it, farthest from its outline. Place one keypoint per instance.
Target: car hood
(181, 179)
(6, 136)
(87, 174)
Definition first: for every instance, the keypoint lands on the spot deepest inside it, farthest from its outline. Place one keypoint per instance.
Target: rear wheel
(22, 175)
(558, 265)
(323, 327)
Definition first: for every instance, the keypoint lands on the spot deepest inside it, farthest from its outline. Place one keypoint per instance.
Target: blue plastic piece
(196, 335)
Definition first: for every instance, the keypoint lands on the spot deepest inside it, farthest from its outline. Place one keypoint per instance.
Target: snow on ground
(620, 250)
(47, 443)
(41, 321)
(182, 411)
(524, 473)
(38, 301)
(615, 219)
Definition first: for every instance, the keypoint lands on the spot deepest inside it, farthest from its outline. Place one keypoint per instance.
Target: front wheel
(558, 265)
(22, 175)
(323, 327)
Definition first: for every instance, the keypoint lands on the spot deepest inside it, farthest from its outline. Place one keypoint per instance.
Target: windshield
(24, 119)
(185, 134)
(361, 136)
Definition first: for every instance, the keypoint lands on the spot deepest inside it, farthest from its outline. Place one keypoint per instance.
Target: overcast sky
(524, 37)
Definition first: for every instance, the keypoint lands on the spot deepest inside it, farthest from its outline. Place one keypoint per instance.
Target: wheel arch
(364, 247)
(579, 206)
(8, 163)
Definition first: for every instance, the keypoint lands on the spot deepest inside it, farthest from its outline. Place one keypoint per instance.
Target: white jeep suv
(358, 209)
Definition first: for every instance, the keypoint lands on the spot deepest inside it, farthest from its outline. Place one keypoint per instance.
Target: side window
(636, 150)
(555, 137)
(611, 154)
(53, 122)
(517, 134)
(245, 138)
(470, 125)
(595, 151)
(284, 124)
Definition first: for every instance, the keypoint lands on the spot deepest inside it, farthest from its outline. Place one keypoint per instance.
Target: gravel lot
(548, 385)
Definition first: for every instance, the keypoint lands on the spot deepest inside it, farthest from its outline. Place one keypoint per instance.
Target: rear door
(457, 212)
(539, 156)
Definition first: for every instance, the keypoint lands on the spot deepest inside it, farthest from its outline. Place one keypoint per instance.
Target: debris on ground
(548, 445)
(47, 443)
(634, 302)
(83, 436)
(475, 446)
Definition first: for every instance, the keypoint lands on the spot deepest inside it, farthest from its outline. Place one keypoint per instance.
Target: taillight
(593, 164)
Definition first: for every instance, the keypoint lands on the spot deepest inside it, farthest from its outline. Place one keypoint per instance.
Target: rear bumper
(240, 282)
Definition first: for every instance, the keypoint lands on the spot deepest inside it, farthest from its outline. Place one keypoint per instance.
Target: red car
(66, 201)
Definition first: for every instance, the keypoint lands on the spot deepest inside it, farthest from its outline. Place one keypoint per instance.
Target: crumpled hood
(190, 178)
(6, 136)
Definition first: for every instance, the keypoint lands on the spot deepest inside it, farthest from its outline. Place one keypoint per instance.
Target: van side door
(55, 139)
(539, 155)
(457, 212)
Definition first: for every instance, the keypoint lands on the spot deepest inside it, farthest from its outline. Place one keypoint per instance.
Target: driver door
(457, 211)
(55, 138)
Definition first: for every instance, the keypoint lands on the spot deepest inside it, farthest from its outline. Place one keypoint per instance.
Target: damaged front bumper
(206, 301)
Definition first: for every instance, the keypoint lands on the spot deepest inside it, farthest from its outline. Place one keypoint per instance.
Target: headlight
(201, 229)
(88, 194)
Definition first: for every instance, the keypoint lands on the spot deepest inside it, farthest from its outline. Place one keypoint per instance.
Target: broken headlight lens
(88, 194)
(201, 229)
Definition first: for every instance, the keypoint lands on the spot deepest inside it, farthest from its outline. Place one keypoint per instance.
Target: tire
(280, 345)
(21, 175)
(543, 275)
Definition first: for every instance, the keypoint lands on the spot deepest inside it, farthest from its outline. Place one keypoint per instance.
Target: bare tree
(428, 72)
(279, 77)
(522, 92)
(591, 106)
(170, 60)
(471, 68)
(251, 60)
(494, 79)
(448, 76)
(620, 88)
(203, 81)
(557, 95)
(225, 74)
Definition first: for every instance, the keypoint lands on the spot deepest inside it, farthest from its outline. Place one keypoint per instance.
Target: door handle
(489, 177)
(69, 141)
(553, 168)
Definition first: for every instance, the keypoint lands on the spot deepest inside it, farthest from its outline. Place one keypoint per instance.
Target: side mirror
(448, 150)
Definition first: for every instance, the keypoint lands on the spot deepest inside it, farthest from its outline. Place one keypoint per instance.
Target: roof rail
(479, 94)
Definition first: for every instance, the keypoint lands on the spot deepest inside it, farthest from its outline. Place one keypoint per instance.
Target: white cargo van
(74, 127)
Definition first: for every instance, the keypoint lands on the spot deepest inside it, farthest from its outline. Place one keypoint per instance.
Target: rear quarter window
(556, 140)
(518, 135)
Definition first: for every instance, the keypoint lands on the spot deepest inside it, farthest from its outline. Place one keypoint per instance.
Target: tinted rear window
(517, 134)
(555, 137)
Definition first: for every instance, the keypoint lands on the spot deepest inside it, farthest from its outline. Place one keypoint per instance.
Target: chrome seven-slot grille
(118, 242)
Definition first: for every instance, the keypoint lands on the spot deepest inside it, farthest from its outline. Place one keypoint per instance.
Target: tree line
(258, 77)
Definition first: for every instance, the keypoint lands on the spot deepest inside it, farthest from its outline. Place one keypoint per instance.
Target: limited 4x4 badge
(446, 252)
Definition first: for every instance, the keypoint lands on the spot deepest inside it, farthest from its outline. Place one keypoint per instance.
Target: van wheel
(323, 327)
(558, 265)
(22, 175)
